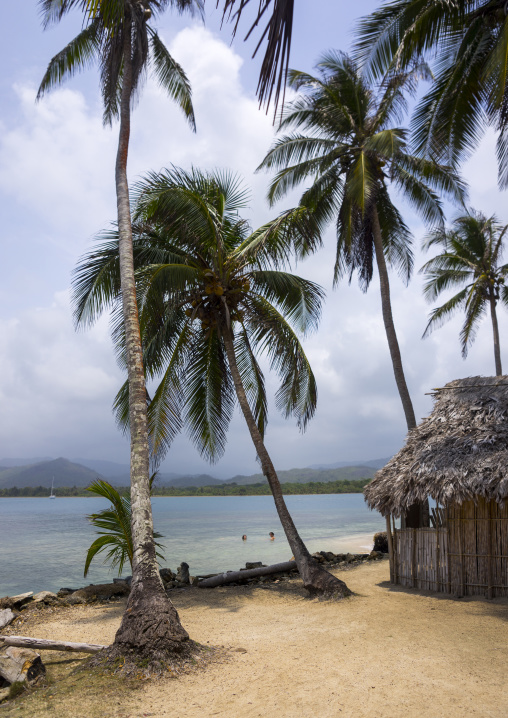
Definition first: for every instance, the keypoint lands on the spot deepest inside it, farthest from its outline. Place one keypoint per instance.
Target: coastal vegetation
(115, 530)
(260, 489)
(211, 300)
(470, 259)
(197, 297)
(466, 42)
(343, 136)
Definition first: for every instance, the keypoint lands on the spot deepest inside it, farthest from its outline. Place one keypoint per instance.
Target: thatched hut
(458, 456)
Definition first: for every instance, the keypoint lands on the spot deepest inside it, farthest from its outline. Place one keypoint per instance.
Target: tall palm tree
(470, 259)
(346, 139)
(467, 41)
(118, 38)
(212, 298)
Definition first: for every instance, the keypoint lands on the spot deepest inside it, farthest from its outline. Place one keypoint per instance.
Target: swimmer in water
(244, 537)
(272, 536)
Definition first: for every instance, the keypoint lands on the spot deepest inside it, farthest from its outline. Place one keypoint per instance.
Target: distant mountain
(373, 463)
(63, 471)
(82, 472)
(304, 476)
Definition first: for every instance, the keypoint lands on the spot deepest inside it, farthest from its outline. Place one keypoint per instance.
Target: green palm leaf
(470, 260)
(196, 262)
(115, 525)
(172, 78)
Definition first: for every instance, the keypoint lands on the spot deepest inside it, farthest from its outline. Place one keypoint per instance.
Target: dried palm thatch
(458, 453)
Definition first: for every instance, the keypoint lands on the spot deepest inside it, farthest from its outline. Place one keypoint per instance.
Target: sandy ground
(385, 653)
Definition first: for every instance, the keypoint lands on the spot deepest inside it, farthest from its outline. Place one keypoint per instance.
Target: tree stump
(20, 664)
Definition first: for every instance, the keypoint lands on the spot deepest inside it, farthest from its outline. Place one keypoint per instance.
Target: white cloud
(58, 165)
(56, 385)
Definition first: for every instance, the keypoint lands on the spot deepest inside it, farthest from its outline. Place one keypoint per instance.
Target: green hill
(304, 476)
(68, 473)
(64, 472)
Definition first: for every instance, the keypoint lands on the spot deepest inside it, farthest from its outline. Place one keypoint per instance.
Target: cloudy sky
(57, 191)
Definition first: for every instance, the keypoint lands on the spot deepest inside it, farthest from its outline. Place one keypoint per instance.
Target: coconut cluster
(208, 302)
(492, 282)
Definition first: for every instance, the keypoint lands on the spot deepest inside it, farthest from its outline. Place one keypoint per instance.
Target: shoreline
(386, 652)
(288, 489)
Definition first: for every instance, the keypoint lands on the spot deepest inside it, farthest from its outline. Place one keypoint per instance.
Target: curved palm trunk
(315, 578)
(391, 335)
(150, 625)
(418, 514)
(495, 330)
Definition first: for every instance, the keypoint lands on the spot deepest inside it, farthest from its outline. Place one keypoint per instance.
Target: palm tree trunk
(150, 625)
(417, 515)
(391, 335)
(495, 330)
(315, 578)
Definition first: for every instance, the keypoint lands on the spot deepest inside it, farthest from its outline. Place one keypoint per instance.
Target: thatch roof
(459, 452)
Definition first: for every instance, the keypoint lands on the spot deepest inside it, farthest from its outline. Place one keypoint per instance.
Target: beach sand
(384, 653)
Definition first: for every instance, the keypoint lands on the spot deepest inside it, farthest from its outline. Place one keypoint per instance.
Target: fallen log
(44, 645)
(233, 576)
(20, 664)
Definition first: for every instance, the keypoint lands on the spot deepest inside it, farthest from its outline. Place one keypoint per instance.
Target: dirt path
(385, 653)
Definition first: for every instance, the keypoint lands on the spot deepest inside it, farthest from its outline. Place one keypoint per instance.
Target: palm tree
(212, 298)
(354, 152)
(467, 41)
(118, 38)
(115, 531)
(470, 259)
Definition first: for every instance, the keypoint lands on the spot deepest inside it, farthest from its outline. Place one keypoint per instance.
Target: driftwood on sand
(45, 645)
(233, 576)
(20, 664)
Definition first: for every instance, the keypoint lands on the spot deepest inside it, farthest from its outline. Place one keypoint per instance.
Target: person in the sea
(272, 536)
(244, 537)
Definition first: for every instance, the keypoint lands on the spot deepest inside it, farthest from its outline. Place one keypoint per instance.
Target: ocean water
(43, 543)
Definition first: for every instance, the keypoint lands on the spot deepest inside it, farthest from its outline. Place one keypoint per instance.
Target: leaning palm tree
(346, 139)
(118, 38)
(470, 259)
(211, 299)
(467, 42)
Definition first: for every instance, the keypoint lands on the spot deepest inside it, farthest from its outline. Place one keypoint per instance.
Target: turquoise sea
(43, 543)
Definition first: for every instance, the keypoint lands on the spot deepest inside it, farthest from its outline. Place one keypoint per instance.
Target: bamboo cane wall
(420, 559)
(465, 555)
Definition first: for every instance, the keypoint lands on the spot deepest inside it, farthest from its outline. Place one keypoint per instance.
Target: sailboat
(52, 495)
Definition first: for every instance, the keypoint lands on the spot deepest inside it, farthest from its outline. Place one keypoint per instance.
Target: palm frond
(277, 32)
(172, 78)
(271, 334)
(252, 379)
(295, 232)
(78, 55)
(299, 300)
(441, 314)
(209, 396)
